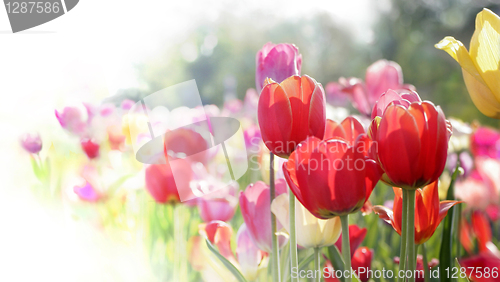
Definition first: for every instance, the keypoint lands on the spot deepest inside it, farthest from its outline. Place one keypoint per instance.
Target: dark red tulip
(291, 111)
(90, 147)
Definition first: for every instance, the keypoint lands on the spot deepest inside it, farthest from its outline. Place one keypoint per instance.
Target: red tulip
(412, 143)
(356, 236)
(348, 130)
(255, 207)
(291, 111)
(482, 268)
(183, 142)
(277, 62)
(480, 229)
(429, 212)
(331, 178)
(90, 148)
(219, 233)
(160, 182)
(362, 263)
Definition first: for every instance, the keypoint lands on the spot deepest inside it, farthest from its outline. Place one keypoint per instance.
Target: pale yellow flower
(480, 66)
(311, 231)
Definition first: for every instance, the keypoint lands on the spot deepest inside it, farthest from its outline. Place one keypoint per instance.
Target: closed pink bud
(32, 143)
(277, 61)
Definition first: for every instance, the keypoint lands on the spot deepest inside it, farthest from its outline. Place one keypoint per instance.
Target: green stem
(346, 247)
(293, 234)
(426, 264)
(458, 223)
(410, 241)
(404, 232)
(317, 266)
(177, 242)
(275, 255)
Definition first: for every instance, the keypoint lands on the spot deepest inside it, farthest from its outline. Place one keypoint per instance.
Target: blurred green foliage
(406, 33)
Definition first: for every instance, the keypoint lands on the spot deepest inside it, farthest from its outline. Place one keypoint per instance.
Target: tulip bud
(255, 207)
(32, 143)
(90, 148)
(277, 61)
(291, 111)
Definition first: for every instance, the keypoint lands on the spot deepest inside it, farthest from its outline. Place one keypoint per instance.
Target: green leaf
(445, 254)
(336, 260)
(226, 263)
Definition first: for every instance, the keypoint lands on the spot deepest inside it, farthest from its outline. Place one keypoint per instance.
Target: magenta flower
(277, 61)
(255, 206)
(380, 77)
(485, 142)
(31, 142)
(72, 119)
(87, 193)
(220, 204)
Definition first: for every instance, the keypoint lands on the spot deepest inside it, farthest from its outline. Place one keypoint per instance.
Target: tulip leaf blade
(336, 260)
(226, 262)
(445, 253)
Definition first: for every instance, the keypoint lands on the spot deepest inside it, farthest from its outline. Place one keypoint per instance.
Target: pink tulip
(481, 188)
(255, 206)
(485, 142)
(219, 205)
(87, 193)
(400, 97)
(249, 256)
(32, 143)
(335, 96)
(380, 77)
(277, 61)
(219, 234)
(72, 119)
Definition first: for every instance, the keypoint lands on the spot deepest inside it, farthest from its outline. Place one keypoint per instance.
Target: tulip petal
(385, 214)
(317, 112)
(485, 49)
(333, 130)
(399, 144)
(458, 52)
(275, 111)
(480, 92)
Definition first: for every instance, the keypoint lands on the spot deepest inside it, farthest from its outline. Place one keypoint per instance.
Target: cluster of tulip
(326, 170)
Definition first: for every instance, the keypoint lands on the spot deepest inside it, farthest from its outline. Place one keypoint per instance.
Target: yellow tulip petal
(482, 96)
(458, 52)
(485, 49)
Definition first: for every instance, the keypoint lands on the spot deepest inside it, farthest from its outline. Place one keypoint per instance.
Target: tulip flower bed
(396, 191)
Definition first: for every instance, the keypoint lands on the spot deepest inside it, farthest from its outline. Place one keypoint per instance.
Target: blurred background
(109, 51)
